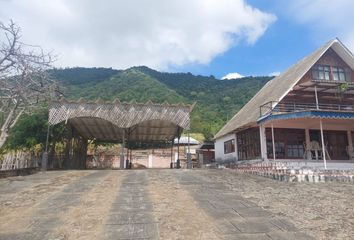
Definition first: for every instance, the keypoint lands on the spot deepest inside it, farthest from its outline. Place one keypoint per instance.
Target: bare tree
(24, 81)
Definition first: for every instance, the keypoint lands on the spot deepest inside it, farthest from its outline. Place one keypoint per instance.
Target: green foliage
(127, 86)
(31, 130)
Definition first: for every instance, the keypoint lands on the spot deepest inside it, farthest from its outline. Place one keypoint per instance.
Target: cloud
(274, 74)
(327, 19)
(232, 76)
(122, 33)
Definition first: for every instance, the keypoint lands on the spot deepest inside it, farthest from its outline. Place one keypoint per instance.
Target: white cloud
(326, 18)
(274, 74)
(232, 76)
(122, 33)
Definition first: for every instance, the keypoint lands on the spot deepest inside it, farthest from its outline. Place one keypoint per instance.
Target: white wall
(220, 156)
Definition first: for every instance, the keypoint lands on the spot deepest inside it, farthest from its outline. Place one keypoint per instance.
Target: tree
(24, 81)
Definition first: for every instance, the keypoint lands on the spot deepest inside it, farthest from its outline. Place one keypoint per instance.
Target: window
(295, 150)
(289, 143)
(325, 72)
(229, 146)
(321, 72)
(338, 74)
(248, 144)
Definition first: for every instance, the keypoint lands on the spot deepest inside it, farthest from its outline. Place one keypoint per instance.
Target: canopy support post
(178, 161)
(171, 164)
(45, 154)
(273, 143)
(121, 165)
(323, 145)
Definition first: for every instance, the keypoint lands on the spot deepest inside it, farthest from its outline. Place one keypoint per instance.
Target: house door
(335, 141)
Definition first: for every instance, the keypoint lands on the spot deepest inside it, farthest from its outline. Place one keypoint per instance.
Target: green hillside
(216, 100)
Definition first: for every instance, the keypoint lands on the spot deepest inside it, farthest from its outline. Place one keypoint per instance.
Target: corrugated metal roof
(309, 114)
(278, 88)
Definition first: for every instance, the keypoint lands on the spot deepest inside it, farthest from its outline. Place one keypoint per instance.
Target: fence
(18, 160)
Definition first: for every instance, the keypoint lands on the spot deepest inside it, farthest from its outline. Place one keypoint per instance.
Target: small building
(305, 114)
(206, 153)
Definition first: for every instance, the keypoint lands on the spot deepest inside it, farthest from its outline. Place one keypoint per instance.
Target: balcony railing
(288, 107)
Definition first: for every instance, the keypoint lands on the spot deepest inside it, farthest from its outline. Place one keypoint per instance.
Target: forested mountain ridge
(217, 100)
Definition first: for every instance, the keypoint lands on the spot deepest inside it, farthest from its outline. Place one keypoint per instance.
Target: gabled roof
(280, 86)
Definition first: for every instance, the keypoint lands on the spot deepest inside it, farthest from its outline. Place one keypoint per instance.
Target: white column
(308, 143)
(350, 142)
(263, 142)
(317, 106)
(273, 143)
(323, 145)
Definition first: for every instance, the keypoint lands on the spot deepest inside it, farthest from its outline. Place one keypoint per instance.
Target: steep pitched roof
(278, 88)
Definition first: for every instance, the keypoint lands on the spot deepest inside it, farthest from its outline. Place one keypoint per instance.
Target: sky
(223, 38)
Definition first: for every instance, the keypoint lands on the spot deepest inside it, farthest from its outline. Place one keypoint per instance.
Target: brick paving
(140, 204)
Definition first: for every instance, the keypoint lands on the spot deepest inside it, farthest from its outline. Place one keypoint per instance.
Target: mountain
(217, 101)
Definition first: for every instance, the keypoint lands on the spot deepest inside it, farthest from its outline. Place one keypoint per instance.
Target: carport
(117, 122)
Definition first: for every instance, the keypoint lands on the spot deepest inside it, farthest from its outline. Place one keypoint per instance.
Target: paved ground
(170, 204)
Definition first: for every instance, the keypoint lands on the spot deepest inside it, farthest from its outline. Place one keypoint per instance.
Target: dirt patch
(16, 212)
(85, 221)
(322, 210)
(177, 213)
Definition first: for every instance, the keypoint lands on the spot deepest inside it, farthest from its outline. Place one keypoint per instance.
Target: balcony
(290, 107)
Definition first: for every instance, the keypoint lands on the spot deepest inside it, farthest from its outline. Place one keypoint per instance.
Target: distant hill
(217, 101)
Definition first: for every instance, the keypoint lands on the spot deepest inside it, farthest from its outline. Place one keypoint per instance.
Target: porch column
(236, 148)
(263, 142)
(323, 145)
(308, 143)
(350, 142)
(273, 143)
(316, 96)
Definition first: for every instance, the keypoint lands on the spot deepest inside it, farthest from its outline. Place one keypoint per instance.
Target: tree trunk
(10, 121)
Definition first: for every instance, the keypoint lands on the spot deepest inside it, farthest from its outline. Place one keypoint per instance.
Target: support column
(121, 165)
(316, 96)
(263, 142)
(273, 143)
(236, 147)
(45, 154)
(178, 162)
(171, 164)
(307, 144)
(323, 145)
(350, 144)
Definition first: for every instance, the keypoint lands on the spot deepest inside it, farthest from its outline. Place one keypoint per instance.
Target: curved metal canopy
(114, 121)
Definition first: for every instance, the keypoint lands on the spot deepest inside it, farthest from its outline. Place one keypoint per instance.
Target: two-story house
(304, 114)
